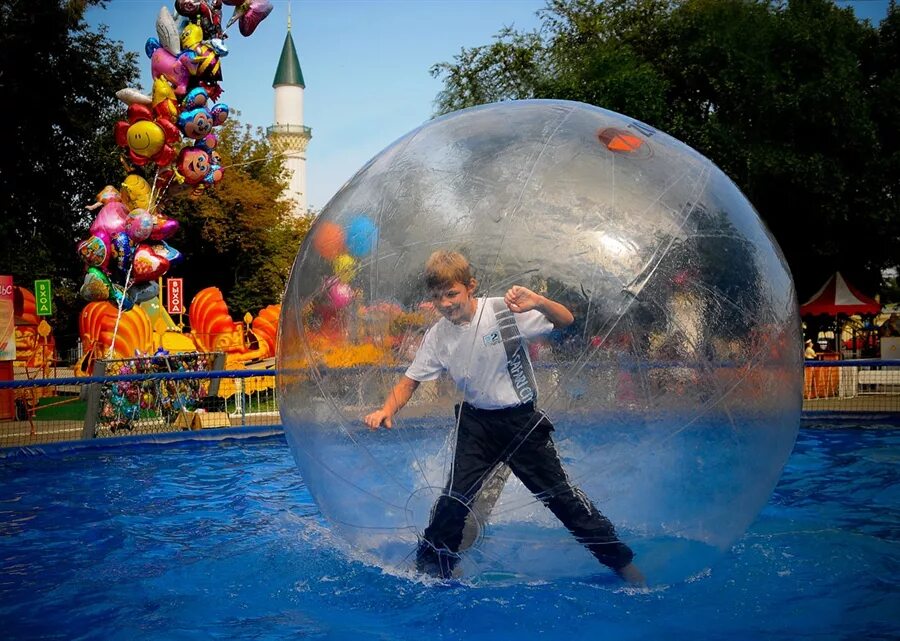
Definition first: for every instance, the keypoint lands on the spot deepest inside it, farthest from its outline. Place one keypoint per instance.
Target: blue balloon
(362, 236)
(123, 251)
(162, 248)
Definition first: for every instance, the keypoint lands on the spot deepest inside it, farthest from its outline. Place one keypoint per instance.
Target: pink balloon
(139, 225)
(340, 295)
(112, 219)
(257, 12)
(163, 227)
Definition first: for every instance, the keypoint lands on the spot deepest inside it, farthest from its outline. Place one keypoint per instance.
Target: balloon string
(112, 345)
(155, 199)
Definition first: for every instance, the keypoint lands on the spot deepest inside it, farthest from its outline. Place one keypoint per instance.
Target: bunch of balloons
(166, 137)
(124, 402)
(343, 244)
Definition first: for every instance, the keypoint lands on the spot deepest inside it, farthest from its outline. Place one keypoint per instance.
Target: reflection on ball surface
(675, 394)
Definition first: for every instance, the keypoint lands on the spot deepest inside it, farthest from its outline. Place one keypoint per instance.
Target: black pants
(520, 437)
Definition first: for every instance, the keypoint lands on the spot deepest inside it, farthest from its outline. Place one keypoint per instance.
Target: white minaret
(289, 135)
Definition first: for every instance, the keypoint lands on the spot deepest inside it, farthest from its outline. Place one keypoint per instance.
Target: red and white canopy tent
(838, 297)
(839, 300)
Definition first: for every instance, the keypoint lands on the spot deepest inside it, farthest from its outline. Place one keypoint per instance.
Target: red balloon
(147, 264)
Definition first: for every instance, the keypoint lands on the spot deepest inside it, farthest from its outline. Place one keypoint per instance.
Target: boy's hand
(521, 299)
(377, 418)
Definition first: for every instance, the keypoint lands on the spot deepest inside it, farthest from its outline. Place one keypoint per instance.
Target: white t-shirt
(475, 357)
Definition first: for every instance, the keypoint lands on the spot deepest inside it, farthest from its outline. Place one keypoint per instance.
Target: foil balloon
(248, 14)
(120, 298)
(208, 12)
(135, 192)
(96, 285)
(131, 96)
(191, 35)
(165, 250)
(202, 62)
(139, 225)
(196, 166)
(111, 219)
(166, 65)
(167, 31)
(122, 251)
(197, 118)
(142, 292)
(164, 102)
(163, 227)
(95, 250)
(106, 195)
(146, 137)
(148, 264)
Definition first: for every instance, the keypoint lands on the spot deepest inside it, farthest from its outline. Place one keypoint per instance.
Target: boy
(480, 343)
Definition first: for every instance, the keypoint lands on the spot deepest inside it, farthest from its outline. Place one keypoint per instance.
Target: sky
(365, 63)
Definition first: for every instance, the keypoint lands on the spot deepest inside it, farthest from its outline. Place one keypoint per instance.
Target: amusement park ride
(148, 328)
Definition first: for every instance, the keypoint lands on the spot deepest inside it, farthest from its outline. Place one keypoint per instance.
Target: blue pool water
(222, 541)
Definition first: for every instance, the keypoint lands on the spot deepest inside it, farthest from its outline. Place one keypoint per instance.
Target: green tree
(239, 235)
(796, 101)
(58, 80)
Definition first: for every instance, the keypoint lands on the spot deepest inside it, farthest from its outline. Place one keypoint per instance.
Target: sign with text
(43, 297)
(175, 295)
(7, 320)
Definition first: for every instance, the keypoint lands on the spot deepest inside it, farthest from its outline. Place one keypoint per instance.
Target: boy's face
(455, 301)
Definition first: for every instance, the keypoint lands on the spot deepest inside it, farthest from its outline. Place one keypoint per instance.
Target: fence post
(243, 405)
(93, 401)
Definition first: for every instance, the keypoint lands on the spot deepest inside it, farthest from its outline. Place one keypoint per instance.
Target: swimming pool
(222, 540)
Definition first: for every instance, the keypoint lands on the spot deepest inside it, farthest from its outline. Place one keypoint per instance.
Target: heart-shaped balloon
(141, 292)
(165, 250)
(163, 227)
(96, 286)
(95, 251)
(256, 12)
(139, 225)
(111, 219)
(148, 265)
(122, 251)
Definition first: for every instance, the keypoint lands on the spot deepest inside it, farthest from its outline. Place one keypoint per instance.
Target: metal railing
(137, 403)
(301, 130)
(139, 399)
(852, 386)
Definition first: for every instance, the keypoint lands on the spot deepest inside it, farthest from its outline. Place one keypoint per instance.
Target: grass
(61, 408)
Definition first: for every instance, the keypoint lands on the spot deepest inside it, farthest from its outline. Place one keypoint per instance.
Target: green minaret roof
(289, 72)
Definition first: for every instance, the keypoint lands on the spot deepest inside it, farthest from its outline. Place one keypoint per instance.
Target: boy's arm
(396, 399)
(521, 299)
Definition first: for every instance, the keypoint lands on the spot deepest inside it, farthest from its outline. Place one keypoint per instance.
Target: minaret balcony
(289, 130)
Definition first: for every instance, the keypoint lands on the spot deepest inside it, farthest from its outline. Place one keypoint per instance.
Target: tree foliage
(239, 236)
(58, 80)
(798, 102)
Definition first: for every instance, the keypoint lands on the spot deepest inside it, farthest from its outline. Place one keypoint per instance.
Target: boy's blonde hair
(444, 268)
